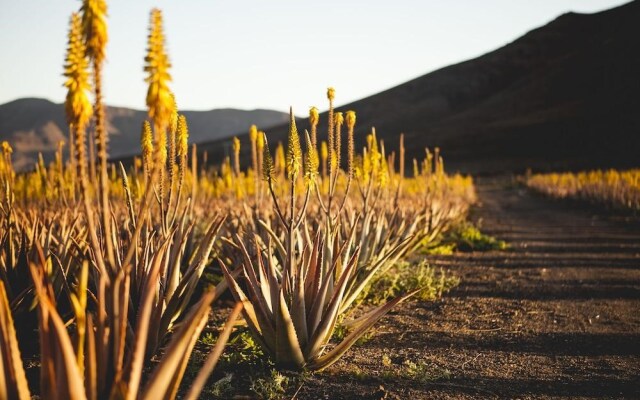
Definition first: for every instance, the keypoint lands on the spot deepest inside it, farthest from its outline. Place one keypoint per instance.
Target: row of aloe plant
(107, 266)
(112, 283)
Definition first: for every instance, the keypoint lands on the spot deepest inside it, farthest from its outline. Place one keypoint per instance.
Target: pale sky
(267, 54)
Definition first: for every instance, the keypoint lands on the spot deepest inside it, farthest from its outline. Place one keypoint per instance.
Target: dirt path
(557, 316)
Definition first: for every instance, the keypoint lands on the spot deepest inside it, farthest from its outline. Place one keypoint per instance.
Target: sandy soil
(557, 316)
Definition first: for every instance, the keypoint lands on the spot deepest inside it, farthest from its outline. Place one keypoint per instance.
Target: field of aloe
(614, 189)
(111, 276)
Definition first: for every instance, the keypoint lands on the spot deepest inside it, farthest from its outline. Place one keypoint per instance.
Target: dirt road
(557, 316)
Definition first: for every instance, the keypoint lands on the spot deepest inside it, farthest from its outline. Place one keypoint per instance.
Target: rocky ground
(556, 316)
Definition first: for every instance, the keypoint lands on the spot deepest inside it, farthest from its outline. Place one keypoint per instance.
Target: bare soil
(556, 316)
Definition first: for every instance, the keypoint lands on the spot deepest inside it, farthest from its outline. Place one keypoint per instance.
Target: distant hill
(563, 96)
(37, 125)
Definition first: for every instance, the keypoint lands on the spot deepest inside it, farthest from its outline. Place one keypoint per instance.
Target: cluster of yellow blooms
(617, 189)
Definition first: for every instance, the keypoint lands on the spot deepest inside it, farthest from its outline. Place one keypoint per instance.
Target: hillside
(563, 96)
(37, 125)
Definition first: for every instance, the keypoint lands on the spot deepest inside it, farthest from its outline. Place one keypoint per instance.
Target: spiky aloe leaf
(279, 246)
(183, 291)
(329, 317)
(262, 329)
(334, 354)
(255, 288)
(142, 326)
(13, 381)
(166, 378)
(61, 375)
(79, 303)
(91, 362)
(288, 352)
(298, 308)
(313, 278)
(214, 356)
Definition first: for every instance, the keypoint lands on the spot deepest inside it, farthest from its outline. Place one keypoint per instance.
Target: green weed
(404, 278)
(270, 387)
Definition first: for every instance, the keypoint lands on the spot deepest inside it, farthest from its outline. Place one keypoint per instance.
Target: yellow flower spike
(294, 151)
(161, 148)
(77, 104)
(253, 133)
(366, 164)
(314, 119)
(402, 154)
(311, 163)
(314, 116)
(236, 145)
(369, 141)
(429, 161)
(173, 129)
(183, 136)
(260, 155)
(146, 142)
(260, 140)
(236, 155)
(374, 141)
(331, 93)
(173, 119)
(358, 164)
(6, 148)
(255, 159)
(334, 161)
(338, 120)
(324, 155)
(94, 26)
(159, 99)
(268, 169)
(383, 174)
(350, 119)
(61, 144)
(226, 173)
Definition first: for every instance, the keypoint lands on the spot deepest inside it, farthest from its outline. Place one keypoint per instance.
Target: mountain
(37, 125)
(563, 96)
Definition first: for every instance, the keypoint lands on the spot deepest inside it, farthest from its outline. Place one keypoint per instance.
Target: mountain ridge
(35, 125)
(561, 96)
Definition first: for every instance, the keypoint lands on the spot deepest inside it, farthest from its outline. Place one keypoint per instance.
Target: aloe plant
(292, 302)
(90, 364)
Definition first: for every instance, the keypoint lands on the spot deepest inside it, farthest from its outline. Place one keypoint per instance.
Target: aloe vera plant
(293, 302)
(90, 365)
